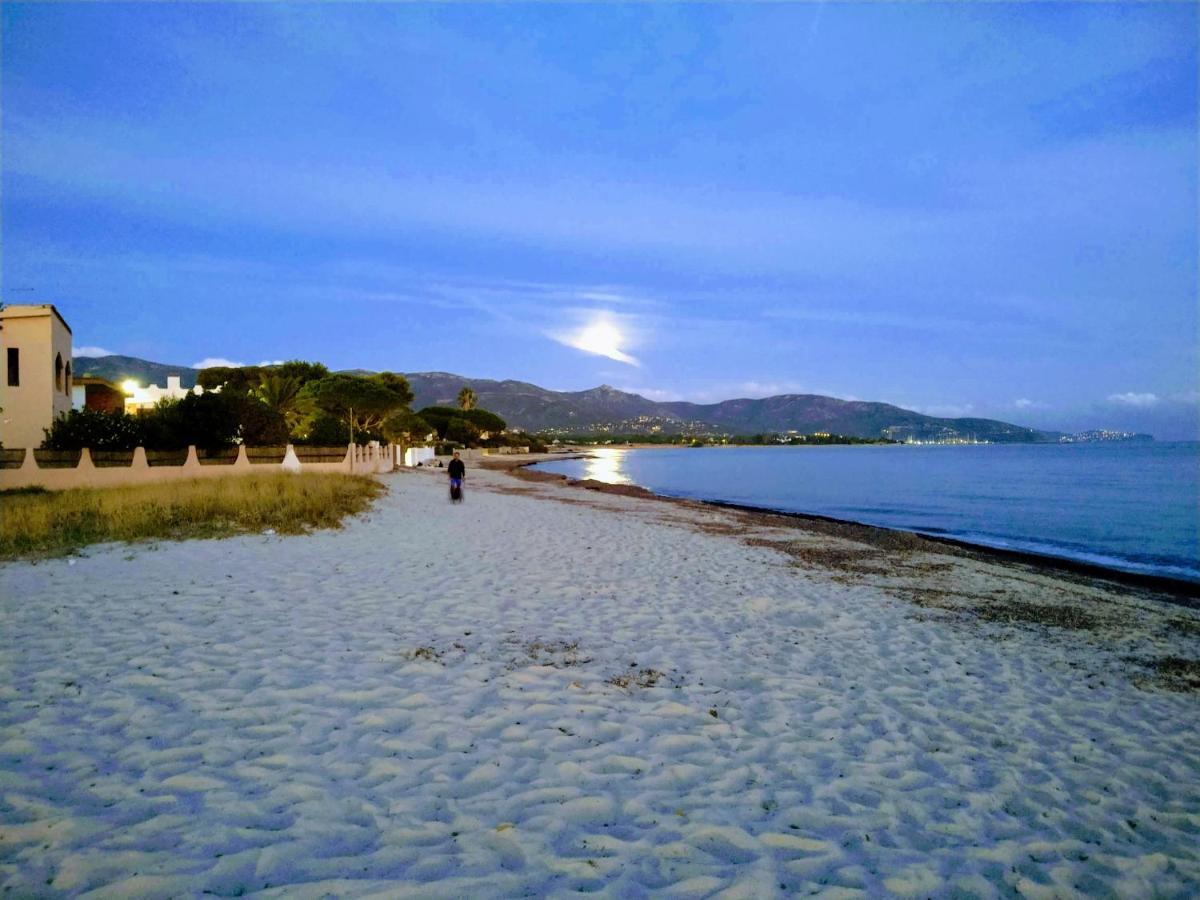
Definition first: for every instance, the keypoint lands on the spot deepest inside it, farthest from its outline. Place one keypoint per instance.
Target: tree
(406, 427)
(473, 422)
(397, 384)
(284, 394)
(363, 404)
(210, 421)
(485, 420)
(461, 431)
(259, 425)
(298, 368)
(327, 431)
(230, 379)
(439, 417)
(466, 398)
(94, 429)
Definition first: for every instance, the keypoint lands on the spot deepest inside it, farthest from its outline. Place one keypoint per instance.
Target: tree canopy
(479, 420)
(362, 403)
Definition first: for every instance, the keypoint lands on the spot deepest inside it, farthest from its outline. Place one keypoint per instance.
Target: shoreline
(1181, 591)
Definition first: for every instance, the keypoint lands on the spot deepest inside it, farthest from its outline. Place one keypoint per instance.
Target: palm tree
(282, 394)
(466, 398)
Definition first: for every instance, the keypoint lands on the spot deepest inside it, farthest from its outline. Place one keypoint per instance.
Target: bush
(328, 431)
(94, 429)
(210, 421)
(259, 425)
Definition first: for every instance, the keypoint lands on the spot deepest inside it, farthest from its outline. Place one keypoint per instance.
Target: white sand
(256, 715)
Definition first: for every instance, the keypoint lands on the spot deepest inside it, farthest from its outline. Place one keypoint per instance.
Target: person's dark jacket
(456, 469)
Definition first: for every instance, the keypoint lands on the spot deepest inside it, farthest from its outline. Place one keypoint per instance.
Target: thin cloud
(1026, 403)
(91, 351)
(1135, 399)
(210, 362)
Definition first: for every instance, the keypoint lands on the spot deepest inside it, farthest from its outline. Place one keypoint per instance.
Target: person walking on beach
(457, 472)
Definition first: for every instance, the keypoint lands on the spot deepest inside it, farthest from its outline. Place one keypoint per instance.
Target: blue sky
(984, 209)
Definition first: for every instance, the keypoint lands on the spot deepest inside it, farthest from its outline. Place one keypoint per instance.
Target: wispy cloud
(868, 319)
(1135, 399)
(1024, 403)
(88, 350)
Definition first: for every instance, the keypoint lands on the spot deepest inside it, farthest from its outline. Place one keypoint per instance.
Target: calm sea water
(1128, 506)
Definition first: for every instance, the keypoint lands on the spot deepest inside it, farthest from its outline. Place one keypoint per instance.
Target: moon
(602, 338)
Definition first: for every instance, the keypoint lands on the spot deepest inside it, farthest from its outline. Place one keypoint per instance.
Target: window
(58, 372)
(14, 367)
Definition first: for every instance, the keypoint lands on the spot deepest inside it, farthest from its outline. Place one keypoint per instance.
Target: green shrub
(94, 429)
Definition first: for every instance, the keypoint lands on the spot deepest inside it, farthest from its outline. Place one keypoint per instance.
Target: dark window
(14, 367)
(58, 372)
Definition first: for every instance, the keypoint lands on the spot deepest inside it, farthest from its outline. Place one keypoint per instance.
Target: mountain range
(606, 409)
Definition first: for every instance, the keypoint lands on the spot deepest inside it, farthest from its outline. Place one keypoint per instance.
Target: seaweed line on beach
(970, 586)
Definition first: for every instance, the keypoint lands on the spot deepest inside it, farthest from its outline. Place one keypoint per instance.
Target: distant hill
(606, 409)
(119, 368)
(808, 413)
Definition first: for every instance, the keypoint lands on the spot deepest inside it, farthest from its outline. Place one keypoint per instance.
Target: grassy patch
(54, 523)
(1012, 612)
(1176, 672)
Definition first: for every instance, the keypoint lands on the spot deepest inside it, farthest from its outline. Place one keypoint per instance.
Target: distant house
(140, 399)
(90, 392)
(35, 387)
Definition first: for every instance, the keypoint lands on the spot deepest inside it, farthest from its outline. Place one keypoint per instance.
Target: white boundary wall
(416, 455)
(370, 460)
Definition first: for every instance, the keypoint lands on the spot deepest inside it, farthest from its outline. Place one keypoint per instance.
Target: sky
(970, 209)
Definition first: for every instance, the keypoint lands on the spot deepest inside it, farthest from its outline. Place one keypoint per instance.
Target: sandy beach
(549, 690)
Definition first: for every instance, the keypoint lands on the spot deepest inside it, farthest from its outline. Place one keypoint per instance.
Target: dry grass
(45, 524)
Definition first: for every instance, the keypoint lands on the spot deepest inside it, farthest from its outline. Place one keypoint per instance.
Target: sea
(1128, 506)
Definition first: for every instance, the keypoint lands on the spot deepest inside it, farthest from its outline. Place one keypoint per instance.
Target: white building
(139, 399)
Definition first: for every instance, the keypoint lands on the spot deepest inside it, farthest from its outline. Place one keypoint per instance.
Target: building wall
(41, 337)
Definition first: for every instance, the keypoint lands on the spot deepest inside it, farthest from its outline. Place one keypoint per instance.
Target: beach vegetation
(59, 522)
(285, 396)
(1176, 672)
(94, 428)
(460, 431)
(329, 431)
(210, 421)
(362, 403)
(467, 399)
(465, 426)
(229, 379)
